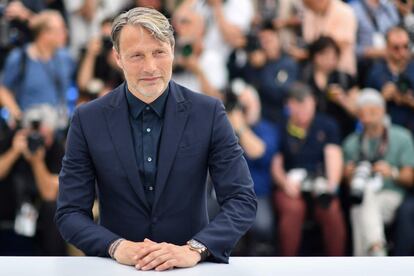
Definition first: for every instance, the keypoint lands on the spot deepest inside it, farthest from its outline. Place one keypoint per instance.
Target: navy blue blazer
(197, 138)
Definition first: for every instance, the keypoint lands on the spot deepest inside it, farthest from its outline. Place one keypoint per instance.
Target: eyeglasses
(397, 47)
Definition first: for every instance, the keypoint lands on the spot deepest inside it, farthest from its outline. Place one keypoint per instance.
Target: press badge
(378, 40)
(281, 76)
(26, 220)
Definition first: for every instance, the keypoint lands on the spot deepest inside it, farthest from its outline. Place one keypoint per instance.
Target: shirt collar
(136, 106)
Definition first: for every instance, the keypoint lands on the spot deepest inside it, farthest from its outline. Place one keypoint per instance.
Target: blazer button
(154, 220)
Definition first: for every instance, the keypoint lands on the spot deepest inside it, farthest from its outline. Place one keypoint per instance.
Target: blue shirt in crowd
(380, 75)
(260, 168)
(272, 82)
(35, 82)
(372, 20)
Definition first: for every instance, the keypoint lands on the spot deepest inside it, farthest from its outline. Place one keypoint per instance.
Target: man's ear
(117, 58)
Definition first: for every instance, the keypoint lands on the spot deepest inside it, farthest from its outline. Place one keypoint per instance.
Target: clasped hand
(149, 255)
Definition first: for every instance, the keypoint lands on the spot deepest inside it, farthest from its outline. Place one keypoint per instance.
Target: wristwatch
(200, 248)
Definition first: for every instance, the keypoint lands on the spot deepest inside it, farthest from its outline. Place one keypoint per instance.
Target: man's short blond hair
(151, 20)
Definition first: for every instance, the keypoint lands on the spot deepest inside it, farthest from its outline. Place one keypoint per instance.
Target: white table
(239, 266)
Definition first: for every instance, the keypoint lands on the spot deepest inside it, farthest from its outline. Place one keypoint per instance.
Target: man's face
(56, 32)
(145, 61)
(371, 116)
(327, 59)
(269, 41)
(397, 46)
(315, 5)
(302, 112)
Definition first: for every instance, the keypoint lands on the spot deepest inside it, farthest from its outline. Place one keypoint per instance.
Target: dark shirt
(308, 153)
(272, 82)
(380, 74)
(325, 105)
(146, 122)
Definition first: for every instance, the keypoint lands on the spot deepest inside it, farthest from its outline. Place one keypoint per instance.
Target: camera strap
(364, 152)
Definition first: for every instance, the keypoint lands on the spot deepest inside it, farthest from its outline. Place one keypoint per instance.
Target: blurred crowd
(319, 92)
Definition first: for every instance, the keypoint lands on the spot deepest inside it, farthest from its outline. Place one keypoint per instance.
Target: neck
(396, 67)
(374, 131)
(372, 3)
(43, 50)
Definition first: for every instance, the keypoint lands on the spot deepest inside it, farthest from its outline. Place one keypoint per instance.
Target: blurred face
(317, 6)
(371, 116)
(155, 4)
(302, 113)
(269, 41)
(327, 60)
(145, 61)
(56, 32)
(397, 47)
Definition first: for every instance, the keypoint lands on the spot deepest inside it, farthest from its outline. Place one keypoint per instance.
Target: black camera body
(403, 84)
(317, 187)
(35, 140)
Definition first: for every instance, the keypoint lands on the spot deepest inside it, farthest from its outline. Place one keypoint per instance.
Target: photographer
(98, 72)
(29, 163)
(394, 77)
(307, 170)
(379, 166)
(39, 73)
(259, 140)
(270, 71)
(194, 67)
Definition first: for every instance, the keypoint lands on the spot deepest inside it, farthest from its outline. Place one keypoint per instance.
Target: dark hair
(299, 91)
(321, 44)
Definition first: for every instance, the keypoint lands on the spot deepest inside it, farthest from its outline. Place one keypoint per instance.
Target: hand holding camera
(367, 175)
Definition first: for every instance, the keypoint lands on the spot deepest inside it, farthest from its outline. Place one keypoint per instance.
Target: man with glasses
(394, 77)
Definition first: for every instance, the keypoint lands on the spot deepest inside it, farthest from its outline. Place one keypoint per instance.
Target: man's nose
(150, 65)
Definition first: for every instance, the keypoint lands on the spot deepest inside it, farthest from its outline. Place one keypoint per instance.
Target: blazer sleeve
(76, 196)
(234, 188)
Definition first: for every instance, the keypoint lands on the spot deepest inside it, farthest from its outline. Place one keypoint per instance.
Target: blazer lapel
(117, 117)
(176, 115)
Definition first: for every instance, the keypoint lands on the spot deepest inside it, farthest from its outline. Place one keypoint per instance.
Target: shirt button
(149, 159)
(150, 188)
(147, 108)
(148, 130)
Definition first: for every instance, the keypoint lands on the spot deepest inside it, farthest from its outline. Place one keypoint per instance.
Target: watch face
(196, 245)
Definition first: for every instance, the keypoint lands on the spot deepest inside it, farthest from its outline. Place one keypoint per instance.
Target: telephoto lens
(359, 181)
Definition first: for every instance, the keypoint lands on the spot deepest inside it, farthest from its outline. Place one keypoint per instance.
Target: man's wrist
(200, 248)
(112, 248)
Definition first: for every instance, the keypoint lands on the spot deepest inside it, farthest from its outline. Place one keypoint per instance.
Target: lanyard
(380, 150)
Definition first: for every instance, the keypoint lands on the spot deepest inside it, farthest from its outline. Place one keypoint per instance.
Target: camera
(362, 177)
(403, 84)
(106, 44)
(318, 188)
(312, 186)
(35, 140)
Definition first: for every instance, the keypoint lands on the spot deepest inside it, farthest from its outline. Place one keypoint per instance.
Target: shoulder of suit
(194, 97)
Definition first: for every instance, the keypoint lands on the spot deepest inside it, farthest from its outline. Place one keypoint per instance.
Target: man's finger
(143, 251)
(170, 264)
(157, 261)
(151, 256)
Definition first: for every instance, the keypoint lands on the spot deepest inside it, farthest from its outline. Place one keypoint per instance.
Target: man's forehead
(130, 31)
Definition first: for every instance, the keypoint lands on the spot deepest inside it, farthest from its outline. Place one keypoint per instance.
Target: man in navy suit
(145, 149)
